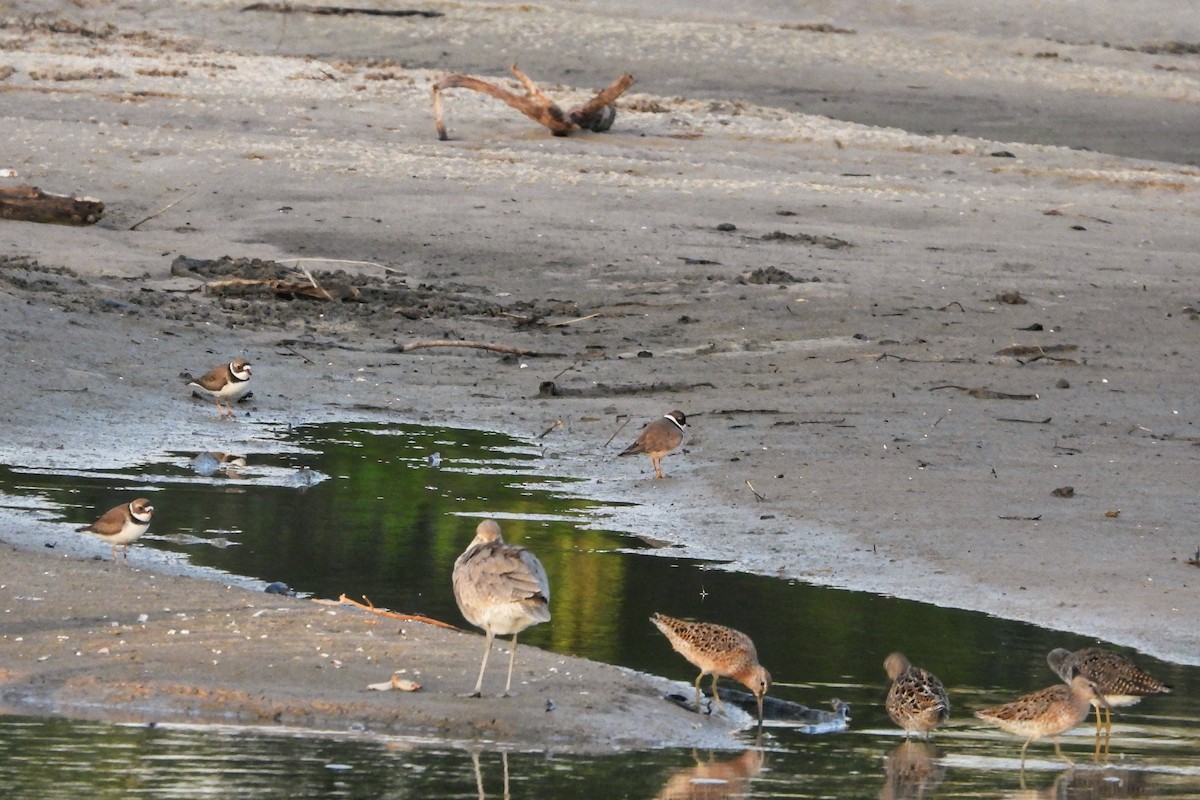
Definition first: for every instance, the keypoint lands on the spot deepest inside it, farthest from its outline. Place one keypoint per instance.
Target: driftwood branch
(495, 348)
(596, 114)
(340, 11)
(369, 606)
(985, 394)
(30, 204)
(241, 287)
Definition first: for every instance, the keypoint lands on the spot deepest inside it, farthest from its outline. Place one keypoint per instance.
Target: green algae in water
(382, 522)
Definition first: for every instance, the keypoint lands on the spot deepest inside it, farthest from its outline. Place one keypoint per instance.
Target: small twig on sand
(316, 285)
(162, 210)
(985, 394)
(618, 430)
(573, 321)
(384, 267)
(1020, 519)
(757, 496)
(369, 606)
(558, 423)
(495, 348)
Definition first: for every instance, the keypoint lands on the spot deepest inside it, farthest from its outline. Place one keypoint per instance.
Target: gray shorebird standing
(500, 588)
(1118, 680)
(228, 382)
(122, 525)
(1048, 712)
(917, 700)
(658, 439)
(717, 651)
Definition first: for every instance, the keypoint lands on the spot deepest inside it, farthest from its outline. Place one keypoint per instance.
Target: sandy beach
(907, 270)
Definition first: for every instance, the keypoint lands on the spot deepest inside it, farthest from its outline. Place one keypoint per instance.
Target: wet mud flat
(871, 429)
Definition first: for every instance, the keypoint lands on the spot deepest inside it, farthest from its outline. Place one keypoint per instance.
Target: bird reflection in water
(912, 771)
(1089, 784)
(479, 774)
(714, 780)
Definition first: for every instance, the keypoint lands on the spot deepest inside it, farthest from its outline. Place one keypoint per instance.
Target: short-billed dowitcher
(659, 438)
(917, 700)
(122, 525)
(1048, 712)
(717, 651)
(501, 588)
(1118, 680)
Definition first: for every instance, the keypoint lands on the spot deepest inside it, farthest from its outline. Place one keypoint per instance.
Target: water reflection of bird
(658, 438)
(122, 525)
(1118, 680)
(479, 774)
(1048, 712)
(501, 588)
(911, 771)
(714, 780)
(717, 651)
(917, 700)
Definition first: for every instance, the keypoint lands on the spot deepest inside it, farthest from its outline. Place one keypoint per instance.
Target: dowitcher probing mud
(717, 651)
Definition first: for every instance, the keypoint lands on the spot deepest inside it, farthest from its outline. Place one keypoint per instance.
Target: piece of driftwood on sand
(596, 114)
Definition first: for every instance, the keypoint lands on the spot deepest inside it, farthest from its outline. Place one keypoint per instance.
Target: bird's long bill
(760, 710)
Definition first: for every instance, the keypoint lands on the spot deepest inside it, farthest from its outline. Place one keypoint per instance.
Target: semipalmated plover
(228, 382)
(122, 525)
(659, 438)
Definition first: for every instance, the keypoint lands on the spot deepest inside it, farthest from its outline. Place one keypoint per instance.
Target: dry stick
(754, 491)
(316, 285)
(384, 267)
(369, 606)
(497, 348)
(623, 424)
(295, 352)
(573, 321)
(558, 423)
(162, 210)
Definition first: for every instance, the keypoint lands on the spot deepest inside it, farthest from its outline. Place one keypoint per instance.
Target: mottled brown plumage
(501, 588)
(717, 651)
(122, 525)
(1118, 680)
(658, 439)
(1048, 712)
(917, 700)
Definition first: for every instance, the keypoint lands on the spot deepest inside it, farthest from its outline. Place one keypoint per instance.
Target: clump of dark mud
(200, 293)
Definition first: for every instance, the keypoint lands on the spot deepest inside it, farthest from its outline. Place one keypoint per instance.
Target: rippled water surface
(360, 510)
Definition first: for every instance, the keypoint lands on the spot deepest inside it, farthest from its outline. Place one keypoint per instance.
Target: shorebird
(500, 588)
(917, 700)
(1048, 712)
(228, 382)
(1118, 680)
(122, 525)
(717, 651)
(658, 438)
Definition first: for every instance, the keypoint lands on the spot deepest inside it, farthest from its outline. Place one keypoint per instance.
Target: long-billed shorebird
(1048, 712)
(500, 588)
(657, 439)
(717, 651)
(917, 700)
(122, 525)
(1118, 680)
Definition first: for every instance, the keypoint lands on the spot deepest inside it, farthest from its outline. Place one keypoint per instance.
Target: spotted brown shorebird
(1047, 712)
(500, 588)
(1118, 680)
(658, 439)
(917, 700)
(717, 651)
